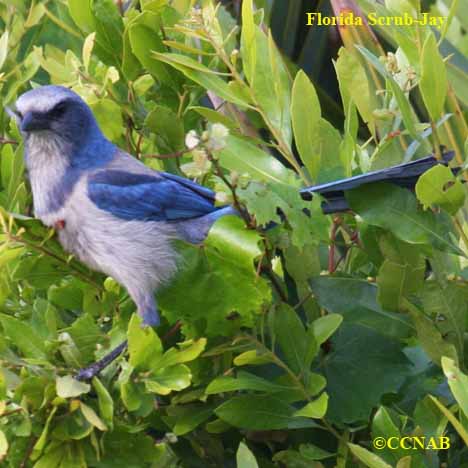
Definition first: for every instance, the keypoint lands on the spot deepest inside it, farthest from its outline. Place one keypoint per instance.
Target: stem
(461, 231)
(172, 331)
(236, 203)
(435, 136)
(9, 413)
(176, 154)
(6, 141)
(331, 252)
(29, 451)
(45, 251)
(61, 24)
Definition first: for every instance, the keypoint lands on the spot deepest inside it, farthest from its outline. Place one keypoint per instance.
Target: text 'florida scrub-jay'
(114, 213)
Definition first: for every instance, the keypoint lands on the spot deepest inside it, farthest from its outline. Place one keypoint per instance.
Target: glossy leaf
(433, 84)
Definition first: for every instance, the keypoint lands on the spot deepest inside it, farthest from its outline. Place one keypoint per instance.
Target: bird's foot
(94, 369)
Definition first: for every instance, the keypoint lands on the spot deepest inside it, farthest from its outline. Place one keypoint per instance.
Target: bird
(111, 211)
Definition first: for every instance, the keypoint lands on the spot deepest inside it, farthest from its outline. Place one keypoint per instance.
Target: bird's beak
(34, 121)
(13, 114)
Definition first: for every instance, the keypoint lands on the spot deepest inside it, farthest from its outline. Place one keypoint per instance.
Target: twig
(172, 331)
(435, 136)
(461, 231)
(31, 445)
(7, 141)
(277, 286)
(331, 252)
(303, 300)
(177, 154)
(9, 413)
(138, 145)
(236, 203)
(120, 5)
(43, 250)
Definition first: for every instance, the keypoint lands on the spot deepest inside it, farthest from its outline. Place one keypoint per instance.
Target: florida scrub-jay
(110, 210)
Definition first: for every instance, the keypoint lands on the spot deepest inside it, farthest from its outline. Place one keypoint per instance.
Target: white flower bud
(192, 140)
(217, 137)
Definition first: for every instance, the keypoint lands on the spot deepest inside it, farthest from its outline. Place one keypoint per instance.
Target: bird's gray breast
(49, 172)
(135, 253)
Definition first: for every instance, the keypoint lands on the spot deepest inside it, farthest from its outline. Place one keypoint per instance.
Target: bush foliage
(299, 343)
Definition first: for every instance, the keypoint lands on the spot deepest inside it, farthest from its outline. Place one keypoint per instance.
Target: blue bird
(110, 210)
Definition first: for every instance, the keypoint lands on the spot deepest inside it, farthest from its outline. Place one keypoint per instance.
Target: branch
(7, 141)
(177, 154)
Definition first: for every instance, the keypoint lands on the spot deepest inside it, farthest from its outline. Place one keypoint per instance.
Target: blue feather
(162, 197)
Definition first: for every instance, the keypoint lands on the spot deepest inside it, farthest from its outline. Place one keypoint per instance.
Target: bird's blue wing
(162, 197)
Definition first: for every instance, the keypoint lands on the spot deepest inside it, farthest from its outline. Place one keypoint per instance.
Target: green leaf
(356, 301)
(384, 427)
(144, 39)
(292, 338)
(245, 458)
(68, 387)
(109, 28)
(215, 117)
(112, 127)
(396, 281)
(368, 458)
(203, 76)
(266, 201)
(256, 412)
(248, 40)
(188, 351)
(266, 74)
(453, 420)
(458, 383)
(188, 417)
(86, 335)
(244, 157)
(324, 327)
(438, 186)
(429, 336)
(24, 337)
(3, 51)
(143, 344)
(82, 14)
(251, 358)
(433, 84)
(395, 209)
(91, 416)
(446, 304)
(428, 416)
(306, 114)
(163, 122)
(354, 89)
(226, 263)
(362, 366)
(4, 445)
(243, 381)
(105, 402)
(312, 452)
(315, 409)
(41, 442)
(171, 378)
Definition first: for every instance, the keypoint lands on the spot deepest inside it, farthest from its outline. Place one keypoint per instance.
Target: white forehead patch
(43, 99)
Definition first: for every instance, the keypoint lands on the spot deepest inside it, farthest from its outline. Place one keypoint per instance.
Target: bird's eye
(59, 109)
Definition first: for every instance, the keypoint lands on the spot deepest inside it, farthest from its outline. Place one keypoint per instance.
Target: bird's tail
(405, 175)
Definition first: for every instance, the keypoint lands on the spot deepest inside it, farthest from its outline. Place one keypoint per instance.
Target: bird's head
(57, 110)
